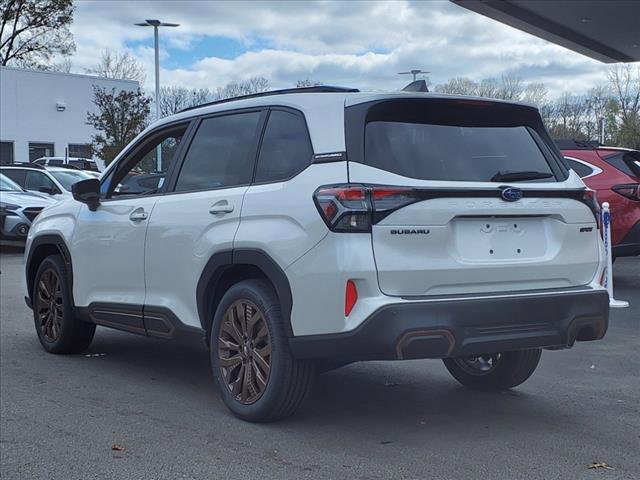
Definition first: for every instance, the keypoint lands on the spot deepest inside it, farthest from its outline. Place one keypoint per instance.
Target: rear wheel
(259, 378)
(497, 371)
(59, 331)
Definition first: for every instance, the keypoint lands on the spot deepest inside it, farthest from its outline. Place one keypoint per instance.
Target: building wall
(30, 104)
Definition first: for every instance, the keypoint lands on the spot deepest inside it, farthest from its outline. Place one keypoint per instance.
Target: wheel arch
(42, 247)
(232, 266)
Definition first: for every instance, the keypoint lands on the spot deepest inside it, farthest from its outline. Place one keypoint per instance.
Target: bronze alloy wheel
(49, 305)
(244, 351)
(479, 365)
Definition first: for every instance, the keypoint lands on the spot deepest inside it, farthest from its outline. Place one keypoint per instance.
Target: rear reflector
(350, 297)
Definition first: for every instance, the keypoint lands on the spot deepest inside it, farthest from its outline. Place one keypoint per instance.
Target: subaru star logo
(511, 194)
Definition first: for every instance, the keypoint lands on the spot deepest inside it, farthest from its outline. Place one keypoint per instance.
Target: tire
(508, 369)
(241, 344)
(58, 329)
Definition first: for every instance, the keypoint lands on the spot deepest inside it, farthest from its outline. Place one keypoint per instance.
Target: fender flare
(51, 240)
(220, 262)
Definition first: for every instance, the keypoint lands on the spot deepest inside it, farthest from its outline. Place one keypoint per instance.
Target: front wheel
(258, 377)
(497, 371)
(59, 331)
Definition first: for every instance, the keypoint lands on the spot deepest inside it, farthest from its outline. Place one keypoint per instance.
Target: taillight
(629, 190)
(590, 198)
(353, 208)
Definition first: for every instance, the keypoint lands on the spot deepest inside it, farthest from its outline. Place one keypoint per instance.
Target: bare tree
(458, 86)
(121, 65)
(34, 31)
(245, 87)
(174, 99)
(625, 83)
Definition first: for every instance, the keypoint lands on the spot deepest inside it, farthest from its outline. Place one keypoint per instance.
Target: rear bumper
(630, 245)
(445, 327)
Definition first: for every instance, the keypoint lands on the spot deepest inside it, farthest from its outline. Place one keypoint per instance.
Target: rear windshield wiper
(519, 176)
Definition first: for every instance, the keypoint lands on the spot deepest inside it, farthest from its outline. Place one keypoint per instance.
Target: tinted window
(6, 153)
(36, 180)
(626, 162)
(447, 152)
(151, 160)
(17, 176)
(55, 162)
(80, 150)
(37, 150)
(220, 154)
(580, 168)
(285, 150)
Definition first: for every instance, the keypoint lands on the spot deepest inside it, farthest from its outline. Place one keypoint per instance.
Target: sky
(350, 43)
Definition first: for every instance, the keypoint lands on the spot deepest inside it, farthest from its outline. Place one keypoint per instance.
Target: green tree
(121, 116)
(32, 32)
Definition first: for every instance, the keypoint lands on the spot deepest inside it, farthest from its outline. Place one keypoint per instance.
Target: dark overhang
(607, 30)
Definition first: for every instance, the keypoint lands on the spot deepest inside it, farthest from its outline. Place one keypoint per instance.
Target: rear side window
(286, 149)
(55, 162)
(580, 168)
(17, 176)
(450, 152)
(220, 153)
(626, 162)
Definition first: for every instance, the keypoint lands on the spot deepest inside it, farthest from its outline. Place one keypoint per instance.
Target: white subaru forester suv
(300, 230)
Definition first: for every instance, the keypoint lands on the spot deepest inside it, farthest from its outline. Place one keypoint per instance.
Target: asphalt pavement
(60, 416)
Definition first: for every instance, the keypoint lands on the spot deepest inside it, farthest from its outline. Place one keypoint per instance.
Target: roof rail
(315, 89)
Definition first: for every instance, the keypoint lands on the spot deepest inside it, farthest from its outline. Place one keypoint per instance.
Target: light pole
(155, 24)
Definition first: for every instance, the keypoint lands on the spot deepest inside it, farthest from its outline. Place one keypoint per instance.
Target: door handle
(138, 215)
(221, 207)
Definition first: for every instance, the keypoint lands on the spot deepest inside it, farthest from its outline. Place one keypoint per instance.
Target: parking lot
(61, 415)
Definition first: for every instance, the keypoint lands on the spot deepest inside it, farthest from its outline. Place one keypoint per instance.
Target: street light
(155, 24)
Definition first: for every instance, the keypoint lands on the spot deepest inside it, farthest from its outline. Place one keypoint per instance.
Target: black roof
(316, 89)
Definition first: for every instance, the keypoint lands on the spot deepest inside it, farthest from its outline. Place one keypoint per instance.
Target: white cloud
(361, 44)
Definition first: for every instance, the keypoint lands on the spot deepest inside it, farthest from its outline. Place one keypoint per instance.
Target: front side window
(8, 185)
(285, 150)
(39, 181)
(143, 172)
(220, 154)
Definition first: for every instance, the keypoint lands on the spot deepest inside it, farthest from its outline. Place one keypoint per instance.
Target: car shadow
(392, 395)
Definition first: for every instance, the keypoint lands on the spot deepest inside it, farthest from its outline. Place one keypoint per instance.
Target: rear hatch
(468, 196)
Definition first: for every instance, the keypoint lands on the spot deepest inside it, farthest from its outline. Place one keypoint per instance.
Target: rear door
(489, 206)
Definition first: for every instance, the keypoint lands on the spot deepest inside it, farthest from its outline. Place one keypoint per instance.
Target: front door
(108, 244)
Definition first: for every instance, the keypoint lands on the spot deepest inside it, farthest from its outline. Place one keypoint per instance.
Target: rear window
(450, 152)
(626, 162)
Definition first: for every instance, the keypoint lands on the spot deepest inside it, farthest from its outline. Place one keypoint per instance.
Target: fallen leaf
(597, 465)
(117, 448)
(592, 367)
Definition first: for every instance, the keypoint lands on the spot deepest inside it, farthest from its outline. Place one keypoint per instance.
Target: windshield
(68, 178)
(8, 185)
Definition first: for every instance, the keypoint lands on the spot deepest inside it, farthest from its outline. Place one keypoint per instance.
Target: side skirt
(150, 321)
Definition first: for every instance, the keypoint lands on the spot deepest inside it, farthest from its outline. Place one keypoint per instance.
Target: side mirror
(87, 191)
(47, 190)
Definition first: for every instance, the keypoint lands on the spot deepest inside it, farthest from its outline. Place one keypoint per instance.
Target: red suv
(615, 174)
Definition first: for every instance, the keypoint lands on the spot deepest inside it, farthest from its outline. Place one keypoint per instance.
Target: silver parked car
(18, 208)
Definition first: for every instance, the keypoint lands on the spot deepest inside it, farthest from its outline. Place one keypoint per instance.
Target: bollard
(606, 237)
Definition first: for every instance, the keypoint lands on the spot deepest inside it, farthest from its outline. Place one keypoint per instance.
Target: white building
(45, 113)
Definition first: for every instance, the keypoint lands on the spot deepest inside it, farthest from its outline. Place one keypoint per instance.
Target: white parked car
(76, 162)
(18, 208)
(53, 181)
(303, 229)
